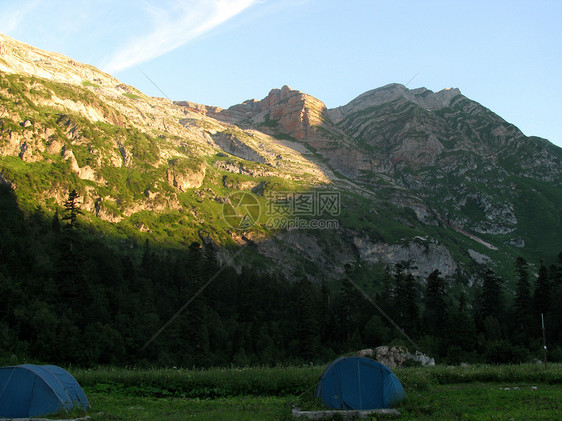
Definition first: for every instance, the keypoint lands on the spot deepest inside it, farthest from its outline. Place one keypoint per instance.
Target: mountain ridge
(432, 178)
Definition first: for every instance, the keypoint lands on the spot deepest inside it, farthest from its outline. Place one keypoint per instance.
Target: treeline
(69, 296)
(493, 325)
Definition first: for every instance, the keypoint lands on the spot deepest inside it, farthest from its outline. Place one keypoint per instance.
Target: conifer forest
(69, 296)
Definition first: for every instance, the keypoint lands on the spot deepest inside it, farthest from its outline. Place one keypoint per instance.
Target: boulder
(390, 357)
(395, 356)
(421, 358)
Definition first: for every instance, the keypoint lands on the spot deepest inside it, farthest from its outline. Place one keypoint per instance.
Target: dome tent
(36, 390)
(359, 383)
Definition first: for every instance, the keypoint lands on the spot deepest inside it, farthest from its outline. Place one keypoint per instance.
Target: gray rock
(389, 357)
(395, 356)
(423, 359)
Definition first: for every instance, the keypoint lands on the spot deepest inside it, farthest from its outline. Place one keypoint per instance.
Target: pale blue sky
(505, 54)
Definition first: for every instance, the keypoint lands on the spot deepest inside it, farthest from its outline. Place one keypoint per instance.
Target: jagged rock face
(288, 111)
(296, 113)
(186, 180)
(424, 256)
(234, 146)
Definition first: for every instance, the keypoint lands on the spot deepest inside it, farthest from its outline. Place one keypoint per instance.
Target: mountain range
(432, 180)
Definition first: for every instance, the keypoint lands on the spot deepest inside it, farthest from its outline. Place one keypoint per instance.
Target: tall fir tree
(523, 288)
(72, 210)
(523, 305)
(69, 269)
(555, 321)
(491, 299)
(197, 332)
(386, 298)
(306, 315)
(349, 299)
(411, 317)
(436, 311)
(327, 319)
(403, 298)
(397, 293)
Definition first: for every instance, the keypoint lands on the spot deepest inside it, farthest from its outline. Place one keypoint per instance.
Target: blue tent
(358, 383)
(37, 390)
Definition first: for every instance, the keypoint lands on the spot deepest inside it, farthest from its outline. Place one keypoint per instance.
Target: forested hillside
(71, 296)
(137, 230)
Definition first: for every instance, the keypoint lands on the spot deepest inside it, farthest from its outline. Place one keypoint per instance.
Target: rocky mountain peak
(294, 111)
(423, 97)
(447, 94)
(284, 110)
(283, 93)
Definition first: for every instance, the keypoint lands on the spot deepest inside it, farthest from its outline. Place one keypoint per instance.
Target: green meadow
(503, 392)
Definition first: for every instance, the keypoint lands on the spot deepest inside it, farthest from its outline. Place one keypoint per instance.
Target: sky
(505, 54)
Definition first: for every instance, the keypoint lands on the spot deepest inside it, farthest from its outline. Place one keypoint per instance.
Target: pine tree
(55, 223)
(460, 332)
(401, 297)
(523, 306)
(523, 289)
(198, 311)
(386, 297)
(411, 309)
(327, 321)
(72, 210)
(210, 267)
(69, 269)
(397, 290)
(555, 320)
(491, 300)
(307, 318)
(195, 264)
(436, 311)
(210, 264)
(349, 299)
(556, 274)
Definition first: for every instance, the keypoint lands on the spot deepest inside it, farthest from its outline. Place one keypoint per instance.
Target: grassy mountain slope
(432, 179)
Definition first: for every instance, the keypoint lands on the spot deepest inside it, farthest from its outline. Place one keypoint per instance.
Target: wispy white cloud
(12, 18)
(172, 27)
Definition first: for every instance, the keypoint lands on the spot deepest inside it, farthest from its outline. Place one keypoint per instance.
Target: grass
(474, 401)
(421, 378)
(87, 83)
(520, 392)
(131, 96)
(122, 407)
(484, 401)
(212, 383)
